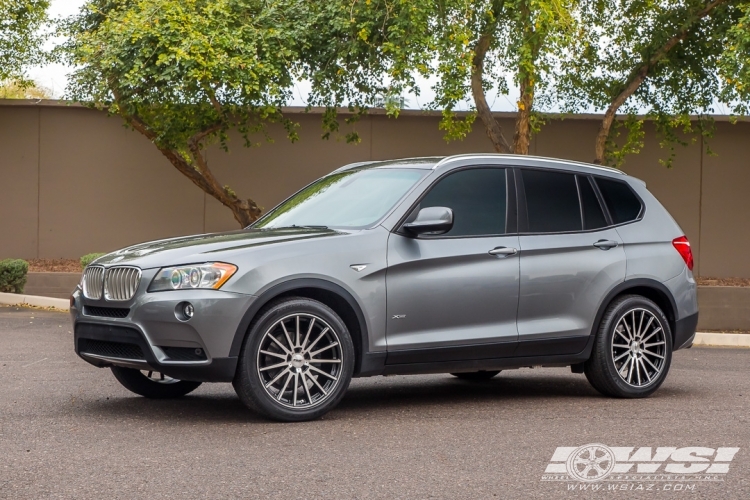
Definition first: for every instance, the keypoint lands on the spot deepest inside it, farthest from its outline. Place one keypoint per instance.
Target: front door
(455, 296)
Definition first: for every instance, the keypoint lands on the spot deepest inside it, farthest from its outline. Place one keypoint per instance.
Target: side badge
(398, 316)
(358, 267)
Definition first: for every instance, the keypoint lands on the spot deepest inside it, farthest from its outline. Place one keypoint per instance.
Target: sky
(54, 76)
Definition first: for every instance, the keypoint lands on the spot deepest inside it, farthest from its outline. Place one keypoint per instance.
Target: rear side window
(623, 204)
(477, 198)
(593, 215)
(551, 201)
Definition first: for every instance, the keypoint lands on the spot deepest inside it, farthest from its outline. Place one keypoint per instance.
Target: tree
(184, 73)
(21, 37)
(657, 59)
(28, 90)
(470, 46)
(735, 64)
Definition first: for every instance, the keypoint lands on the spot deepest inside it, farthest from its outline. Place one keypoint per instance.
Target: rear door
(570, 259)
(448, 297)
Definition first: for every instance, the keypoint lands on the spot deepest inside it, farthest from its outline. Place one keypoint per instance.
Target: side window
(593, 215)
(623, 204)
(551, 201)
(477, 197)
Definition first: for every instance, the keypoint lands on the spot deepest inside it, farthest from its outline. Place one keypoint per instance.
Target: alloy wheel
(300, 361)
(639, 347)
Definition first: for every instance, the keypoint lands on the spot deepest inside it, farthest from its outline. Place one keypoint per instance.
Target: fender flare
(293, 284)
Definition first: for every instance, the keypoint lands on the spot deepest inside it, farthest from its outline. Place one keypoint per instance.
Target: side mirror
(435, 220)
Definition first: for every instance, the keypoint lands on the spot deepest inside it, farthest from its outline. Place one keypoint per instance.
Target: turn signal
(682, 245)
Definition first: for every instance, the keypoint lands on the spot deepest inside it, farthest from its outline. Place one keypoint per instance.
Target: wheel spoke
(640, 323)
(645, 370)
(319, 386)
(650, 320)
(323, 373)
(653, 354)
(286, 334)
(656, 370)
(618, 358)
(277, 377)
(652, 334)
(283, 389)
(271, 367)
(618, 330)
(269, 353)
(621, 346)
(325, 361)
(296, 383)
(324, 349)
(637, 370)
(655, 343)
(296, 340)
(630, 369)
(307, 391)
(279, 344)
(307, 335)
(322, 334)
(627, 329)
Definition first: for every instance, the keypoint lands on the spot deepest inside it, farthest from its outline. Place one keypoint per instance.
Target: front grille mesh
(106, 312)
(121, 283)
(93, 277)
(108, 349)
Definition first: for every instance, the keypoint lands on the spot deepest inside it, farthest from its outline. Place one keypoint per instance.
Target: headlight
(211, 275)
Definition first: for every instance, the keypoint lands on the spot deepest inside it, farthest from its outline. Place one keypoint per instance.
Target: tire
(276, 373)
(480, 375)
(639, 366)
(163, 388)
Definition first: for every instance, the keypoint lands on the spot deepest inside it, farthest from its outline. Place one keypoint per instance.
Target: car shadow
(388, 395)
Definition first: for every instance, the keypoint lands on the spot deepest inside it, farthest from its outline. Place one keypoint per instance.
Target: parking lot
(69, 430)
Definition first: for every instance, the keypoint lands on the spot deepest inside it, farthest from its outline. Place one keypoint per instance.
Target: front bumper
(150, 336)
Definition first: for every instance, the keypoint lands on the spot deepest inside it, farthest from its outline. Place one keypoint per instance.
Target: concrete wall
(74, 181)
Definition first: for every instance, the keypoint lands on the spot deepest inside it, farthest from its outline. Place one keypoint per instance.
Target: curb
(722, 339)
(34, 300)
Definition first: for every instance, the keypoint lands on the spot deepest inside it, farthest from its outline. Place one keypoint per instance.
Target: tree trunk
(491, 126)
(522, 137)
(639, 75)
(244, 211)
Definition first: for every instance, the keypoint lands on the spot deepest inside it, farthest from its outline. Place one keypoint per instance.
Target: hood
(206, 247)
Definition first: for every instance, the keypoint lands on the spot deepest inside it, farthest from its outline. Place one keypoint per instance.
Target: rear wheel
(480, 375)
(296, 362)
(152, 384)
(633, 349)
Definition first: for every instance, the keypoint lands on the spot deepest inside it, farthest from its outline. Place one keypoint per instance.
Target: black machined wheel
(297, 361)
(152, 384)
(633, 349)
(480, 375)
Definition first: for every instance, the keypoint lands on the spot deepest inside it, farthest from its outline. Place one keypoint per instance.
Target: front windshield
(351, 199)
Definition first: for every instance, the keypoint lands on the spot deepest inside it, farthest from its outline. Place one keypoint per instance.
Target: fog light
(188, 310)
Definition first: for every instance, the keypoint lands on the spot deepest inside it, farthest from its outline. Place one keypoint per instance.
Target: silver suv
(467, 265)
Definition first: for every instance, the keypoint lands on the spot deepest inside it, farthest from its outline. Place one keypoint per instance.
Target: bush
(89, 258)
(13, 275)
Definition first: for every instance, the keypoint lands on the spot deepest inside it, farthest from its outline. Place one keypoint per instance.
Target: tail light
(682, 245)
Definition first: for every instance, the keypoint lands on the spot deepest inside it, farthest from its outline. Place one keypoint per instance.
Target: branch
(639, 75)
(491, 126)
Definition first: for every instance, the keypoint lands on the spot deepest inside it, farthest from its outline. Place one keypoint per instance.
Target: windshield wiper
(308, 227)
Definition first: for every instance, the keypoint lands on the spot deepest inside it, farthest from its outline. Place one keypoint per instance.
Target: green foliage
(20, 37)
(13, 275)
(89, 258)
(648, 60)
(734, 64)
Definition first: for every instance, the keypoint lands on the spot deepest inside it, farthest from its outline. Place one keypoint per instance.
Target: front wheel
(151, 384)
(633, 349)
(296, 362)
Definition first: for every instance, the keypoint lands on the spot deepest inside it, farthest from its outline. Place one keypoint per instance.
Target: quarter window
(551, 201)
(593, 215)
(624, 205)
(477, 197)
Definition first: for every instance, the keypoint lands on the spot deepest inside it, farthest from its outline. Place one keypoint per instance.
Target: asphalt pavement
(69, 430)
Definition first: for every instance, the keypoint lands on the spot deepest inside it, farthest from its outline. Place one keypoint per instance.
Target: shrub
(89, 258)
(13, 275)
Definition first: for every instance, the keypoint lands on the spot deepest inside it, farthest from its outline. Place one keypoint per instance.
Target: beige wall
(74, 181)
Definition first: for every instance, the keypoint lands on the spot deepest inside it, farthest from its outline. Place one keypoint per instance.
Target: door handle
(605, 244)
(503, 251)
